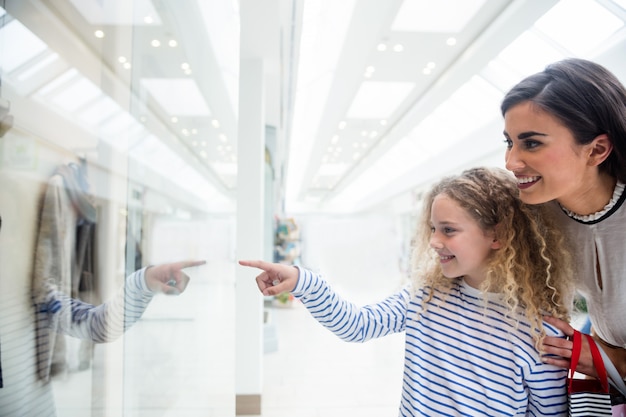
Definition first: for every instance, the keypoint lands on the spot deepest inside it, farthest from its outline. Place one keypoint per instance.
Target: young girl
(486, 268)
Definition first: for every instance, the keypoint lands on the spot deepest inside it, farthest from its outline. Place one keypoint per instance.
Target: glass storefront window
(120, 119)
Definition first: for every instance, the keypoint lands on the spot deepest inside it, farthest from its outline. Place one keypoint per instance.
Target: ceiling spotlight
(155, 43)
(99, 34)
(398, 48)
(451, 41)
(215, 123)
(342, 125)
(148, 20)
(382, 47)
(172, 43)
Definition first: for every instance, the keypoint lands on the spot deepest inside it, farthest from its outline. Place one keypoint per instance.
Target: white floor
(315, 374)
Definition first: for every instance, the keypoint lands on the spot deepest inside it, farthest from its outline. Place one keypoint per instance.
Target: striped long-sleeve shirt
(463, 356)
(24, 393)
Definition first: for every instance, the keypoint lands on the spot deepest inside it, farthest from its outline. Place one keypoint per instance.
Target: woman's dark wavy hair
(587, 99)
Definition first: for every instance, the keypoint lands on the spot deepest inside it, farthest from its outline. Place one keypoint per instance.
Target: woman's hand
(275, 278)
(169, 278)
(562, 350)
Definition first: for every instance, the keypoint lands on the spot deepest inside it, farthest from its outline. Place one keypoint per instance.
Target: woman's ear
(600, 149)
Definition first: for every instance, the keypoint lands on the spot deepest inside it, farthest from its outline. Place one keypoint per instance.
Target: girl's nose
(435, 243)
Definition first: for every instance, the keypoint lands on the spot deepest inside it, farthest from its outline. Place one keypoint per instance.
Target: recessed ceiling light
(121, 59)
(451, 41)
(148, 20)
(381, 47)
(99, 34)
(215, 123)
(155, 43)
(398, 47)
(342, 125)
(172, 43)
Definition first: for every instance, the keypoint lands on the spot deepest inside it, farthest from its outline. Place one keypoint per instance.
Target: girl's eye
(448, 230)
(508, 142)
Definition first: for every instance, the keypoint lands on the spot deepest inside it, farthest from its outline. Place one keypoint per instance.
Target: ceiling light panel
(586, 27)
(177, 96)
(449, 16)
(135, 13)
(378, 100)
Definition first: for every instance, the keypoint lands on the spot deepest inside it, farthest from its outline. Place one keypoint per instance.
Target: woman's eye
(508, 142)
(531, 144)
(448, 230)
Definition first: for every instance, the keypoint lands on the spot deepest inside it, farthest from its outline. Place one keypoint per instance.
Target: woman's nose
(512, 160)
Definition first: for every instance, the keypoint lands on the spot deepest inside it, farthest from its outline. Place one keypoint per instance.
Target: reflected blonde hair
(531, 268)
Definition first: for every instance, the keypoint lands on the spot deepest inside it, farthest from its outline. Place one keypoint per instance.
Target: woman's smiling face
(543, 155)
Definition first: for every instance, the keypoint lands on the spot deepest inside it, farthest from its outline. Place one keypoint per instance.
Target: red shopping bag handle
(595, 355)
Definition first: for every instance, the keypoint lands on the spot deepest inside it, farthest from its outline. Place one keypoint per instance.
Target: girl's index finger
(265, 266)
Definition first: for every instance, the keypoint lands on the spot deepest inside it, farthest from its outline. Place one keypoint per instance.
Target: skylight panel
(29, 46)
(441, 16)
(76, 95)
(586, 26)
(378, 100)
(527, 55)
(177, 96)
(99, 111)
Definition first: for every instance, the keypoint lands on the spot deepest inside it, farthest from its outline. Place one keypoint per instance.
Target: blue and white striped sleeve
(107, 321)
(547, 385)
(346, 320)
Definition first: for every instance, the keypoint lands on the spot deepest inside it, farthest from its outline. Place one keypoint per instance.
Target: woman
(565, 130)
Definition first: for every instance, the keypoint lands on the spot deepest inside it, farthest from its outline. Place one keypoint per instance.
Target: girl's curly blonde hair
(531, 268)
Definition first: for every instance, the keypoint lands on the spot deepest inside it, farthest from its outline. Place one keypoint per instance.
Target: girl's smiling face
(462, 245)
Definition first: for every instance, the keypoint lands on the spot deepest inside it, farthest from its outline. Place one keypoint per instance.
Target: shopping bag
(588, 397)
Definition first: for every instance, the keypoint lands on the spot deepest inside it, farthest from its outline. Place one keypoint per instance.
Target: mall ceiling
(370, 100)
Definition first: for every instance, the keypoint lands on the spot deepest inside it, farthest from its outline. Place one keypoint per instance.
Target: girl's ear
(600, 149)
(494, 235)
